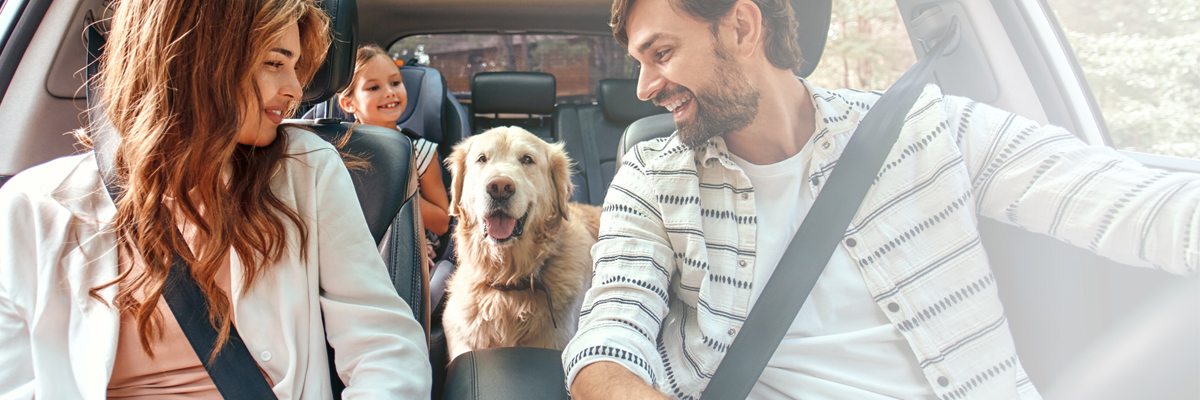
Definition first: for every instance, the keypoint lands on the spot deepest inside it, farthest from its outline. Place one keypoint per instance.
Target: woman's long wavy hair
(176, 77)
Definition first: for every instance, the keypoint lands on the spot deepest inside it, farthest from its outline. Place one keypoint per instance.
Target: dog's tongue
(500, 226)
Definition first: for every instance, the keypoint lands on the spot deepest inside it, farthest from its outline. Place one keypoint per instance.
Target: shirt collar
(82, 193)
(834, 117)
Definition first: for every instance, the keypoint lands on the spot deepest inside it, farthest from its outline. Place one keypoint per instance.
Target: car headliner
(384, 21)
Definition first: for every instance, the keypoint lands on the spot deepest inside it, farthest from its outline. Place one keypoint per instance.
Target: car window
(1140, 58)
(867, 48)
(578, 62)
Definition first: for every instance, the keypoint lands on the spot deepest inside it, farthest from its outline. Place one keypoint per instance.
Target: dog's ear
(560, 176)
(457, 164)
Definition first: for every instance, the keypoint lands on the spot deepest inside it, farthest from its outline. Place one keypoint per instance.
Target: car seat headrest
(426, 92)
(813, 18)
(512, 92)
(618, 100)
(335, 74)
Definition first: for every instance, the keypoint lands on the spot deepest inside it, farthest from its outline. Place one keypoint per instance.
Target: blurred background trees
(867, 48)
(1142, 61)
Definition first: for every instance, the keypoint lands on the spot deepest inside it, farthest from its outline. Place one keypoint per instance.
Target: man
(907, 307)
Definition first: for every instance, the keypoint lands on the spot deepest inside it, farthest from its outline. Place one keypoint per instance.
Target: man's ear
(346, 105)
(457, 164)
(747, 22)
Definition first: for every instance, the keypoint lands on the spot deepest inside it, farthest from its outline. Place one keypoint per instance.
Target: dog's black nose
(501, 188)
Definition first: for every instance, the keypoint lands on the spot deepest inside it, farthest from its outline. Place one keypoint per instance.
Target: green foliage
(867, 49)
(1142, 62)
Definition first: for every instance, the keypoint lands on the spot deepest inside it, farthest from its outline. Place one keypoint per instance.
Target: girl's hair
(365, 55)
(176, 77)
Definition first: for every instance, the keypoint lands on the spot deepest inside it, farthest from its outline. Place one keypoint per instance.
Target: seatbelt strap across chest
(815, 241)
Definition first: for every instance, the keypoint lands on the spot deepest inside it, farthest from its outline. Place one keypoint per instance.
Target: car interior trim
(1061, 66)
(26, 16)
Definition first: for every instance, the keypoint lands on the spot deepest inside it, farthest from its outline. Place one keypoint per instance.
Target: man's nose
(650, 82)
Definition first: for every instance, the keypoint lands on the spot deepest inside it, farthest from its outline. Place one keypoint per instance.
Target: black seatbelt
(233, 371)
(814, 243)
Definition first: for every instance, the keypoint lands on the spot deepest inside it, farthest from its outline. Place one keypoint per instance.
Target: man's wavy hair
(779, 21)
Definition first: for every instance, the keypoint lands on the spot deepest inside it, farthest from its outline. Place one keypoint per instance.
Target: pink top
(175, 371)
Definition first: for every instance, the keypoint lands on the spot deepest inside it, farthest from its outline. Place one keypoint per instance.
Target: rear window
(578, 62)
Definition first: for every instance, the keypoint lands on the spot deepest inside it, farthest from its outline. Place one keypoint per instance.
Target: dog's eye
(482, 159)
(527, 160)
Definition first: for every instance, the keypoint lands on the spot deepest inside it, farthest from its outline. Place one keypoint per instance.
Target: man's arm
(1044, 179)
(608, 380)
(624, 309)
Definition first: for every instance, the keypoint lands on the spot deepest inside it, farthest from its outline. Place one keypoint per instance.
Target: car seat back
(652, 127)
(523, 99)
(591, 133)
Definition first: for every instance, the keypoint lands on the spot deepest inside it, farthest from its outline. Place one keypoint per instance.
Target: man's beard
(724, 107)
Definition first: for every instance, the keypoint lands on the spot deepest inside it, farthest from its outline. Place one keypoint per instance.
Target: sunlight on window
(578, 62)
(1142, 61)
(867, 48)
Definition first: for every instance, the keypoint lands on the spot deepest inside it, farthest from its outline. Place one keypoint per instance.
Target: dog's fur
(555, 247)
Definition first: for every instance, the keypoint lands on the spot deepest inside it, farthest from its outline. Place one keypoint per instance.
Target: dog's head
(506, 178)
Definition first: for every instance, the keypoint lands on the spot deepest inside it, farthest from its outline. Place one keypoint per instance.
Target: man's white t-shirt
(841, 345)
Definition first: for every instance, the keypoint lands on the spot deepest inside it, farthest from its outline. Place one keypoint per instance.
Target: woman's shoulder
(306, 148)
(304, 141)
(44, 180)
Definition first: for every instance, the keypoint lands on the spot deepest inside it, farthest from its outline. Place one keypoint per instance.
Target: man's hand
(609, 380)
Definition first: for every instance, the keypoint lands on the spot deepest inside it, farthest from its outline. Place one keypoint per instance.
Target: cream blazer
(56, 342)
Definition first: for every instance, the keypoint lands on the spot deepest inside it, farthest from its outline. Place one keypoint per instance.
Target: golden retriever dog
(524, 250)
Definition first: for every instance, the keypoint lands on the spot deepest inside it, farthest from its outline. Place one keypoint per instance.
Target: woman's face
(379, 96)
(279, 86)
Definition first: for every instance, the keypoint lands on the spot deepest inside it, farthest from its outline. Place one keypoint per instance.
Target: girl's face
(279, 87)
(378, 96)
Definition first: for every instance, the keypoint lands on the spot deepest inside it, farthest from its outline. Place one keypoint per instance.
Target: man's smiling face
(686, 69)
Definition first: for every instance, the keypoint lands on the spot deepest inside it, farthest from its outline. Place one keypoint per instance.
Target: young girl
(377, 96)
(268, 225)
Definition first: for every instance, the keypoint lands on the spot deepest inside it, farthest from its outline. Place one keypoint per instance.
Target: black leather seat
(387, 190)
(524, 99)
(434, 112)
(591, 132)
(507, 373)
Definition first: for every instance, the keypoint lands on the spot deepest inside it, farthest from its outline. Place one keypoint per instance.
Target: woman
(377, 96)
(270, 225)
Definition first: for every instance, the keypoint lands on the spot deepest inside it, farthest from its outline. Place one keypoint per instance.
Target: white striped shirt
(671, 286)
(425, 152)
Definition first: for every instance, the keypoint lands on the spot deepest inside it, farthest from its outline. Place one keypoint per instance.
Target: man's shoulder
(866, 99)
(664, 153)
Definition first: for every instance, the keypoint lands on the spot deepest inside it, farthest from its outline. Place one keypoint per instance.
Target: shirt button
(732, 331)
(816, 181)
(742, 263)
(893, 307)
(851, 242)
(943, 381)
(745, 196)
(825, 145)
(265, 356)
